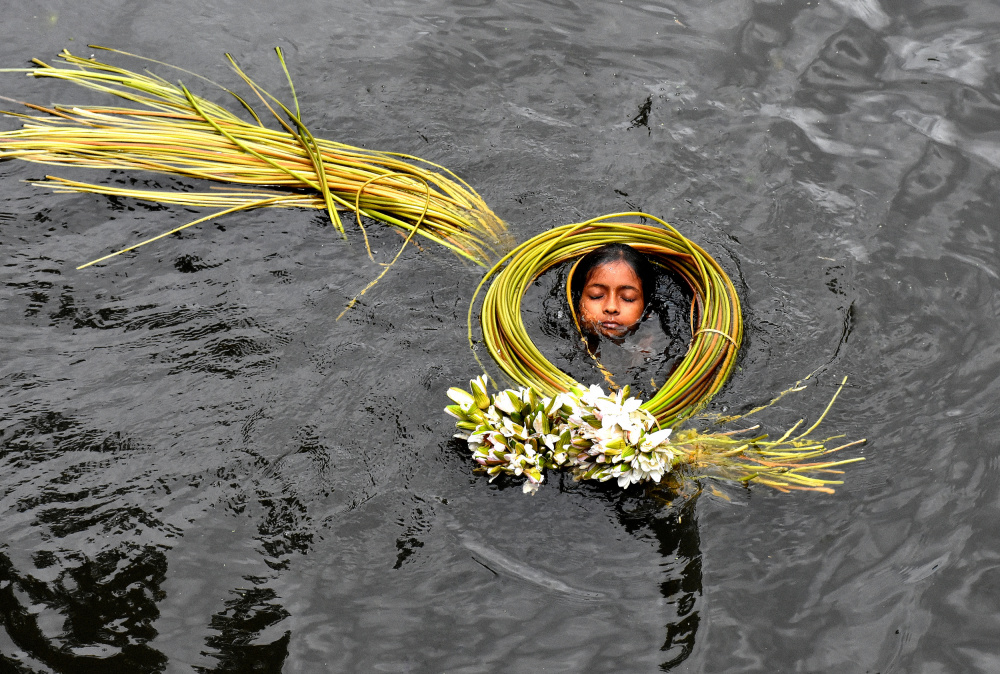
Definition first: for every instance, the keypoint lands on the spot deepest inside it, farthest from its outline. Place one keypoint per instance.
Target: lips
(612, 329)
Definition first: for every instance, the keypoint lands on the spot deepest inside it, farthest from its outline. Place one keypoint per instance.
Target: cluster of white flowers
(598, 436)
(512, 432)
(622, 445)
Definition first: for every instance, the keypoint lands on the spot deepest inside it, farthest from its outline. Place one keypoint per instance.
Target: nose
(611, 305)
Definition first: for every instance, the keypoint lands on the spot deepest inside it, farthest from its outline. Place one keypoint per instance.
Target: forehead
(614, 274)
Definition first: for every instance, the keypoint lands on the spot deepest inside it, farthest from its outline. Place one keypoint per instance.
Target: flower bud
(455, 411)
(532, 398)
(482, 400)
(462, 398)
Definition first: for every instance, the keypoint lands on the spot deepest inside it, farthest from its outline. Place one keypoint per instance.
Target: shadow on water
(678, 544)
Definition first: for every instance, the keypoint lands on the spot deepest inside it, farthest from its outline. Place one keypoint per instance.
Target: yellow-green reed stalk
(791, 462)
(168, 129)
(717, 324)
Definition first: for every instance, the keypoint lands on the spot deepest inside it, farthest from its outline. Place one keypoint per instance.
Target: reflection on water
(201, 470)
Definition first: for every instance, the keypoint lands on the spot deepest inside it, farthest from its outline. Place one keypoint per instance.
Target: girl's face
(612, 302)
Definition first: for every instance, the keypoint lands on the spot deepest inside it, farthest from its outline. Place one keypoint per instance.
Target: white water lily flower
(555, 403)
(614, 413)
(504, 403)
(630, 404)
(643, 418)
(591, 395)
(507, 427)
(537, 425)
(656, 439)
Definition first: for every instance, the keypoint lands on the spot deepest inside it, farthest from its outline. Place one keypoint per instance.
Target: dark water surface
(201, 471)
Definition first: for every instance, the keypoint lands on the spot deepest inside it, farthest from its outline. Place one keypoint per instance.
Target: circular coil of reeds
(716, 318)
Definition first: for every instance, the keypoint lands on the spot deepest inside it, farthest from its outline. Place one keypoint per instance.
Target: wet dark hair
(610, 253)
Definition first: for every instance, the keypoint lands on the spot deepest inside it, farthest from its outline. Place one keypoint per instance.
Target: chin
(614, 334)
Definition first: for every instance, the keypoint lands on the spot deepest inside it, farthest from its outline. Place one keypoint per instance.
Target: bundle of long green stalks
(168, 129)
(793, 461)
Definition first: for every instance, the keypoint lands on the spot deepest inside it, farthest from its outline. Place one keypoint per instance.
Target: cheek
(587, 309)
(632, 313)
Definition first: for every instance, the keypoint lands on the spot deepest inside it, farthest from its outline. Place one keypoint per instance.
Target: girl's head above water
(612, 286)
